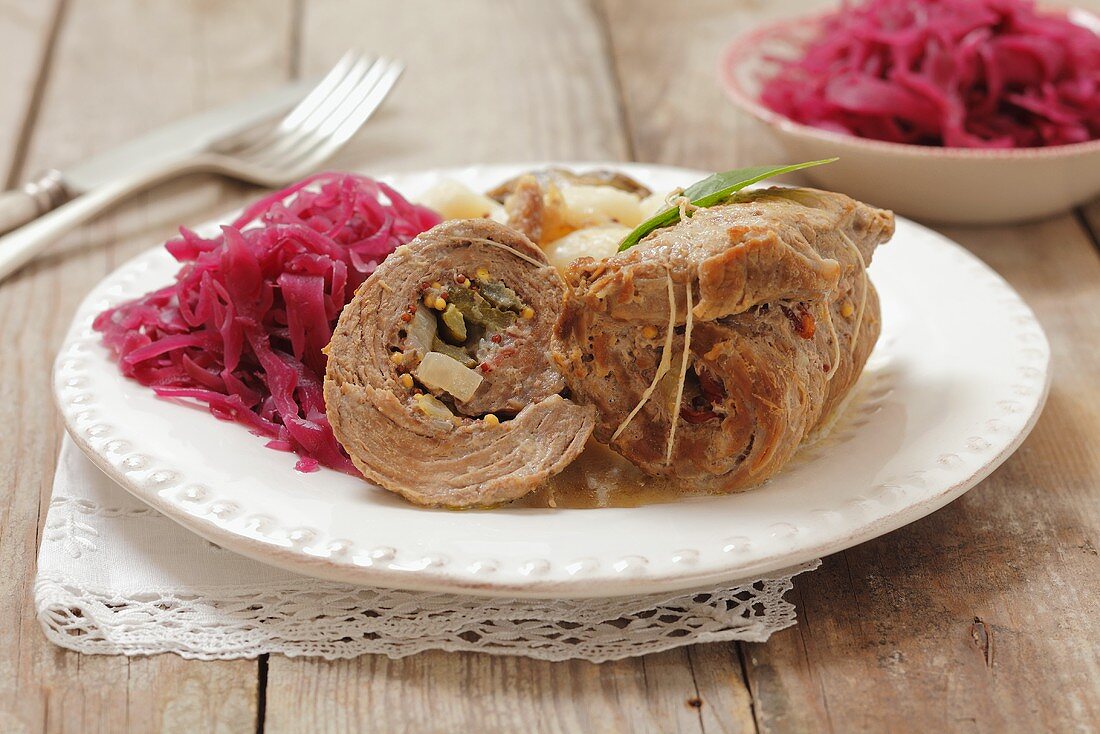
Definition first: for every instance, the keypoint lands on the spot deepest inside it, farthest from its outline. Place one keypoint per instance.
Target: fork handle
(22, 245)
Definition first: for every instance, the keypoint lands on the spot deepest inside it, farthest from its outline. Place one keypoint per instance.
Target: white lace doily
(117, 577)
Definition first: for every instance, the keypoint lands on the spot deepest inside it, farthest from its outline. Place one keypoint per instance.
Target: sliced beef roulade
(713, 347)
(439, 381)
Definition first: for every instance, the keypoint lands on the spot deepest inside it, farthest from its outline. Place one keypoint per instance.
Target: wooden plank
(722, 697)
(954, 622)
(486, 81)
(120, 68)
(464, 692)
(26, 35)
(666, 58)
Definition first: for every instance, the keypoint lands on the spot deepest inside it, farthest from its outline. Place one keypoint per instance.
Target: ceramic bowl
(947, 185)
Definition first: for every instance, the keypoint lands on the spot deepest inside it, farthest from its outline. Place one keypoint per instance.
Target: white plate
(954, 385)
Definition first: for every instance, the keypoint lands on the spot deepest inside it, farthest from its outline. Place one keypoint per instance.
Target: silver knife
(191, 135)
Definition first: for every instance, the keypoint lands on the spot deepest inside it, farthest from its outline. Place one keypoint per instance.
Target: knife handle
(31, 200)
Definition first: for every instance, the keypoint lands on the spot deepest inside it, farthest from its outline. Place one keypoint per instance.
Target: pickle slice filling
(464, 319)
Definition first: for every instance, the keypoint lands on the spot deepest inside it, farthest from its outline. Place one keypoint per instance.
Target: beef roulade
(714, 347)
(439, 381)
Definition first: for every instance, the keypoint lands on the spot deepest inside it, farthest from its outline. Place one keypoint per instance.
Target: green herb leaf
(713, 190)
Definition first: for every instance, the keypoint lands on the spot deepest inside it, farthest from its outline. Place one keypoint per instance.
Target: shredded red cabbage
(242, 327)
(958, 73)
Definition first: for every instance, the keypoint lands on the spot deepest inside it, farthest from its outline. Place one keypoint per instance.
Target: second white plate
(954, 385)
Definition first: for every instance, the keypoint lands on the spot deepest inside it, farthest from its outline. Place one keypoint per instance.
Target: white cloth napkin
(117, 577)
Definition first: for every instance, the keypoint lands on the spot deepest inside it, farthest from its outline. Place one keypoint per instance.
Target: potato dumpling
(598, 242)
(655, 202)
(589, 205)
(454, 201)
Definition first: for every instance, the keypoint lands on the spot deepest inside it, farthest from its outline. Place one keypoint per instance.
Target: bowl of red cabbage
(953, 111)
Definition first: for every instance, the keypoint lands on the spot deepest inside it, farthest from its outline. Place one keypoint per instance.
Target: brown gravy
(601, 478)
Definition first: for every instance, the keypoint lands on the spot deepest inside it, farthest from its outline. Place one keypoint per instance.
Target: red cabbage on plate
(242, 327)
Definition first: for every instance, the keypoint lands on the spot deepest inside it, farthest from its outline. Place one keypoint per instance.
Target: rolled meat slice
(439, 383)
(713, 348)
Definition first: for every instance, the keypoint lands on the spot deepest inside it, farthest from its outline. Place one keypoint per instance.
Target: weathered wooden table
(984, 616)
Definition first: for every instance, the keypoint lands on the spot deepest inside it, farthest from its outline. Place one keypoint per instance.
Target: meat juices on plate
(439, 381)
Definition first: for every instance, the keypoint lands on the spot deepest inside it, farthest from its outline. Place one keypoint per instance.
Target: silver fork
(315, 129)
